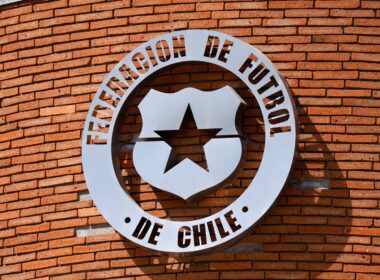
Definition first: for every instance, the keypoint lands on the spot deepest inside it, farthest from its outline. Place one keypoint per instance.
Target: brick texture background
(54, 55)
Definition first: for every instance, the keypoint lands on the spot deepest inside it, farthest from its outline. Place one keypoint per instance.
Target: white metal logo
(162, 113)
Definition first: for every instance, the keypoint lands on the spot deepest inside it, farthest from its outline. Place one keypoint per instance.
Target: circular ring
(234, 221)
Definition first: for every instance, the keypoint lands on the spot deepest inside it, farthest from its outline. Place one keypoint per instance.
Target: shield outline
(221, 108)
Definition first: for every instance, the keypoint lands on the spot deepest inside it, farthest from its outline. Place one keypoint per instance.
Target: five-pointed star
(187, 142)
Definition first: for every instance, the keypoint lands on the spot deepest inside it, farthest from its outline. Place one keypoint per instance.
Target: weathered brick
(6, 269)
(335, 4)
(69, 28)
(30, 141)
(53, 271)
(76, 258)
(56, 181)
(33, 265)
(57, 110)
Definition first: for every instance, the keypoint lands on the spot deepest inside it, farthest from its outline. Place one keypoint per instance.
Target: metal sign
(163, 113)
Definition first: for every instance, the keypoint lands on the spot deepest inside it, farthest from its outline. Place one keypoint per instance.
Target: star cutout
(187, 142)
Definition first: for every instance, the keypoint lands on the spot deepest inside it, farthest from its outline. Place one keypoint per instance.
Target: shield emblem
(162, 112)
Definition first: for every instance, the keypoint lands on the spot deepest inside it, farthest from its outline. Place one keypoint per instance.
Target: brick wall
(54, 55)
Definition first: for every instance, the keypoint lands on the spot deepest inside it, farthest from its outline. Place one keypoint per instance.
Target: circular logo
(164, 113)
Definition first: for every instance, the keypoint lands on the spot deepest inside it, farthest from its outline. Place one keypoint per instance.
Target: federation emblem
(163, 114)
(152, 156)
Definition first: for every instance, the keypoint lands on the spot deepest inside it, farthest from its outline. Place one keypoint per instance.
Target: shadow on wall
(301, 237)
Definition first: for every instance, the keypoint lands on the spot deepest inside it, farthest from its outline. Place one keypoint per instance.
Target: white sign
(151, 154)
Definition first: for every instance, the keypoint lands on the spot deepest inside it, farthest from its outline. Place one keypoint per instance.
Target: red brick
(189, 16)
(320, 30)
(98, 265)
(35, 52)
(60, 215)
(112, 255)
(59, 198)
(33, 228)
(352, 13)
(9, 21)
(306, 13)
(284, 22)
(51, 40)
(37, 149)
(242, 275)
(360, 30)
(35, 193)
(11, 135)
(54, 57)
(69, 28)
(335, 4)
(36, 16)
(36, 87)
(203, 23)
(57, 110)
(34, 34)
(59, 243)
(31, 248)
(55, 234)
(39, 264)
(54, 137)
(109, 23)
(8, 197)
(225, 14)
(26, 176)
(89, 34)
(167, 26)
(72, 81)
(368, 40)
(103, 274)
(110, 6)
(15, 11)
(54, 253)
(76, 258)
(19, 258)
(30, 141)
(16, 82)
(23, 239)
(49, 76)
(197, 275)
(333, 275)
(25, 221)
(79, 222)
(330, 21)
(21, 27)
(133, 11)
(73, 10)
(241, 22)
(23, 204)
(71, 276)
(71, 46)
(6, 269)
(348, 258)
(53, 270)
(37, 210)
(150, 2)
